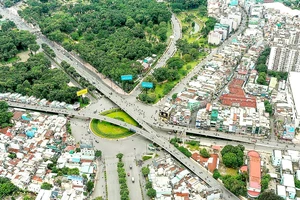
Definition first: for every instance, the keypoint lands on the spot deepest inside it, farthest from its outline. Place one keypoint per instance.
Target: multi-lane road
(151, 135)
(143, 114)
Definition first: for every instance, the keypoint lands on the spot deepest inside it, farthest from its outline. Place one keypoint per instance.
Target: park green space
(112, 45)
(187, 19)
(111, 131)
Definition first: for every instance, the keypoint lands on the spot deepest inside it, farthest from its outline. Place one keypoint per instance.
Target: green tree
(297, 183)
(187, 58)
(148, 185)
(269, 195)
(262, 78)
(268, 107)
(34, 48)
(5, 116)
(130, 22)
(6, 187)
(230, 160)
(262, 68)
(151, 193)
(175, 63)
(27, 197)
(89, 186)
(174, 96)
(98, 154)
(216, 174)
(46, 186)
(145, 171)
(119, 156)
(204, 153)
(12, 155)
(235, 185)
(265, 182)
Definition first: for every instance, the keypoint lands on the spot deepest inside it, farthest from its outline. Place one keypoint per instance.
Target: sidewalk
(100, 184)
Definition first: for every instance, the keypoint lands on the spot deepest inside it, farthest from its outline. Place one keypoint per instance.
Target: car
(128, 174)
(130, 167)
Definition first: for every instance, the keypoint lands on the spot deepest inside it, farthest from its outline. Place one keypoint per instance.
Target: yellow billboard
(82, 92)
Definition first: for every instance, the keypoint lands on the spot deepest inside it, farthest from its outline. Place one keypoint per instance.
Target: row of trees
(181, 5)
(72, 72)
(9, 3)
(263, 71)
(150, 191)
(48, 50)
(110, 40)
(5, 115)
(182, 149)
(124, 192)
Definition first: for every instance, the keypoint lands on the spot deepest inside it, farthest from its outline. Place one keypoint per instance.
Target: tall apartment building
(284, 58)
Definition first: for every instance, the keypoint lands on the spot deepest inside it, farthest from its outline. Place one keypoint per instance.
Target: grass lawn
(193, 147)
(159, 89)
(111, 131)
(122, 115)
(231, 171)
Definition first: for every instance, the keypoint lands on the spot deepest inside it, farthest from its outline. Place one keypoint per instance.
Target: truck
(132, 179)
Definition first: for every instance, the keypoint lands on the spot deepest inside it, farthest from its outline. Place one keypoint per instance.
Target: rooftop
(254, 173)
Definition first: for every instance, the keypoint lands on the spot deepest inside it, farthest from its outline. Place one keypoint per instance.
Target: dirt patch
(23, 56)
(227, 171)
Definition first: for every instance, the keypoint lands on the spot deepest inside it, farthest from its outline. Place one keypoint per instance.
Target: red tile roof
(244, 168)
(237, 95)
(254, 170)
(17, 115)
(213, 165)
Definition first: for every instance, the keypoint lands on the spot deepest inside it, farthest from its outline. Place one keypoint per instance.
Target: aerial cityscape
(149, 99)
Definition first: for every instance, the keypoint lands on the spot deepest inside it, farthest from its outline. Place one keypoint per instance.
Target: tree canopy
(269, 196)
(233, 156)
(6, 187)
(110, 40)
(5, 116)
(236, 184)
(35, 77)
(12, 41)
(46, 186)
(180, 5)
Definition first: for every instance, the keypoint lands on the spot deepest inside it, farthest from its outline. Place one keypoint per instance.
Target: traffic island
(110, 131)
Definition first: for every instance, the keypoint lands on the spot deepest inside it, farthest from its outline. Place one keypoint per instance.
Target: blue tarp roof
(77, 160)
(30, 134)
(75, 178)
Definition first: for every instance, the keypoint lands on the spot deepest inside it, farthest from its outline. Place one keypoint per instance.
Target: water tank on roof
(30, 134)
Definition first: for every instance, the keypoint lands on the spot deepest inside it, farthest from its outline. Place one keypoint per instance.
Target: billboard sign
(126, 78)
(82, 92)
(147, 85)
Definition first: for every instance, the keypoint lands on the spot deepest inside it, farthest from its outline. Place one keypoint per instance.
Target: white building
(276, 158)
(294, 82)
(214, 37)
(285, 59)
(227, 21)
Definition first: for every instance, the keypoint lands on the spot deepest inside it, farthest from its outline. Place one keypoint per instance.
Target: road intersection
(143, 114)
